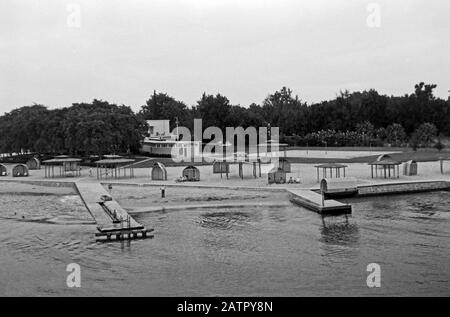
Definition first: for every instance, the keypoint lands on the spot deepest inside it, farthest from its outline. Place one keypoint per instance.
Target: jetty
(316, 202)
(113, 222)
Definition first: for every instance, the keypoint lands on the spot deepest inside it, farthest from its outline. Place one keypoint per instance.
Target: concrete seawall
(402, 188)
(46, 183)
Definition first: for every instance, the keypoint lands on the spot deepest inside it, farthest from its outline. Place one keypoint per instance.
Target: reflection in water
(226, 220)
(338, 230)
(340, 237)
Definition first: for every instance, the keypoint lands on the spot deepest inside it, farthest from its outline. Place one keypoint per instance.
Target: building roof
(385, 162)
(112, 156)
(160, 165)
(331, 165)
(62, 160)
(114, 161)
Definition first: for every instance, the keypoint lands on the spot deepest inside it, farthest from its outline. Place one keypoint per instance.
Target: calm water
(253, 251)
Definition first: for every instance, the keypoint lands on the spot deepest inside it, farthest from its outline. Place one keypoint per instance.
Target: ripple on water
(239, 251)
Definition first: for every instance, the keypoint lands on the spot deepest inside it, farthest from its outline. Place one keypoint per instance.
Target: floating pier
(316, 202)
(113, 222)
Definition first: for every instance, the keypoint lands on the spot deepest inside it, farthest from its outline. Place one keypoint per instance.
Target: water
(270, 251)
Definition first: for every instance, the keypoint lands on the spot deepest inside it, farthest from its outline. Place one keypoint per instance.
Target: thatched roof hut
(159, 172)
(20, 170)
(191, 173)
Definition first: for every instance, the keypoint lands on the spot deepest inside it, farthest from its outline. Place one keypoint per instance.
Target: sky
(57, 53)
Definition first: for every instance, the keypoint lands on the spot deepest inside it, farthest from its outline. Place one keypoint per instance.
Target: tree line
(364, 118)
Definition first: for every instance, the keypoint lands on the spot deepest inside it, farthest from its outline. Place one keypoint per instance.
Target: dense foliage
(95, 128)
(351, 119)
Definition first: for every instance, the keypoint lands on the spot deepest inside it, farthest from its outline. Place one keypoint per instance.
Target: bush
(439, 145)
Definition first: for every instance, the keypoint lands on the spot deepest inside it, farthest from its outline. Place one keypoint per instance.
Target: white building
(161, 141)
(158, 128)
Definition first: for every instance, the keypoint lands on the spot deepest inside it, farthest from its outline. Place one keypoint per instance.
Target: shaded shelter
(329, 167)
(115, 168)
(65, 167)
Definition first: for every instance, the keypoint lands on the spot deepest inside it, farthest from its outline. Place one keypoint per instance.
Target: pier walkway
(314, 201)
(112, 220)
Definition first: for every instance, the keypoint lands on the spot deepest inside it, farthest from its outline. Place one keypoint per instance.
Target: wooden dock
(314, 201)
(113, 222)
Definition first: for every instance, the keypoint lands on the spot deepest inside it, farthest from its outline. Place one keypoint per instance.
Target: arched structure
(191, 173)
(34, 164)
(20, 170)
(410, 168)
(3, 170)
(159, 172)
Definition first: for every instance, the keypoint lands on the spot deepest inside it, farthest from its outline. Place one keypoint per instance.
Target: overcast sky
(246, 49)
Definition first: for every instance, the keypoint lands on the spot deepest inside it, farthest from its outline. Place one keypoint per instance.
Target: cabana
(276, 175)
(159, 172)
(67, 166)
(115, 167)
(34, 164)
(389, 168)
(191, 173)
(3, 170)
(20, 170)
(330, 167)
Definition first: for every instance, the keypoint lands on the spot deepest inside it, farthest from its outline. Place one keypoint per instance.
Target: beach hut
(20, 170)
(410, 168)
(276, 175)
(3, 170)
(220, 167)
(34, 164)
(159, 172)
(285, 165)
(191, 173)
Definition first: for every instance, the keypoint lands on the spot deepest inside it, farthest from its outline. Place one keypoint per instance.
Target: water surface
(267, 251)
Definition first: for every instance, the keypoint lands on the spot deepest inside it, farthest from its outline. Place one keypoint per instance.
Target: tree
(425, 134)
(164, 107)
(395, 134)
(439, 145)
(214, 111)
